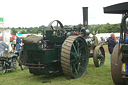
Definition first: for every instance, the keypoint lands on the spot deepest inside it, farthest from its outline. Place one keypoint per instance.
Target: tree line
(100, 28)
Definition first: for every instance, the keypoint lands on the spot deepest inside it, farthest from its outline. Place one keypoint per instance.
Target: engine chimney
(85, 17)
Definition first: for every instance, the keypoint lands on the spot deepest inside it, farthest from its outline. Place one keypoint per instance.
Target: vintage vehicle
(119, 66)
(7, 61)
(61, 50)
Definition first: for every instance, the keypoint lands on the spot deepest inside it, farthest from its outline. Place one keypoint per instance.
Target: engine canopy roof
(120, 8)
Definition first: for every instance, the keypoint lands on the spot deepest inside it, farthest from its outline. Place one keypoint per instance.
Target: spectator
(14, 41)
(95, 41)
(18, 44)
(126, 37)
(79, 28)
(12, 46)
(111, 44)
(102, 39)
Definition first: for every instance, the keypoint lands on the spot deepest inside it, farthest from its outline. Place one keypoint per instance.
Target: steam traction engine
(61, 50)
(119, 67)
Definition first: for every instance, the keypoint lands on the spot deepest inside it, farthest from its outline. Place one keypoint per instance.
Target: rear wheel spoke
(81, 67)
(83, 57)
(75, 70)
(78, 49)
(81, 47)
(72, 60)
(74, 48)
(74, 55)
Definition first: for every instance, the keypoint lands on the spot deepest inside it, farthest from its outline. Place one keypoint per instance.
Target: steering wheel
(59, 32)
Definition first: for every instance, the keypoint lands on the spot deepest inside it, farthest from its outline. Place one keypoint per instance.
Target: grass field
(94, 76)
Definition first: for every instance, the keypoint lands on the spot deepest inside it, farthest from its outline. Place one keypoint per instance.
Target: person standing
(111, 44)
(95, 41)
(14, 41)
(18, 44)
(126, 37)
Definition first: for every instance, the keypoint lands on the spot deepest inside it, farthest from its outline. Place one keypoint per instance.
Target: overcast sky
(32, 13)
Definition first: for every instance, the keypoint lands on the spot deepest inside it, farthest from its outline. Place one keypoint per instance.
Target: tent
(20, 35)
(12, 36)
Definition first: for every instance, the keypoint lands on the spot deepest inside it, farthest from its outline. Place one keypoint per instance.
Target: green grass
(94, 76)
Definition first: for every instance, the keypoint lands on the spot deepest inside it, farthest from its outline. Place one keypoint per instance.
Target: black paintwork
(119, 8)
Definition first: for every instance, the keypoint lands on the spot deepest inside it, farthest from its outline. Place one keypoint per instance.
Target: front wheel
(99, 56)
(2, 67)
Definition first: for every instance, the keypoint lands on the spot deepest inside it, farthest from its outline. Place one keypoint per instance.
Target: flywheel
(74, 56)
(99, 56)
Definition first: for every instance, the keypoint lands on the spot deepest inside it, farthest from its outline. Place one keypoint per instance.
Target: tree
(102, 30)
(23, 31)
(14, 31)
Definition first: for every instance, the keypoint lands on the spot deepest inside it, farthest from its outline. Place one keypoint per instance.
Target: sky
(34, 13)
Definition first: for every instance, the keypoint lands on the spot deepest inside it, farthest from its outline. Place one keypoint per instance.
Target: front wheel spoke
(102, 56)
(99, 56)
(99, 60)
(102, 60)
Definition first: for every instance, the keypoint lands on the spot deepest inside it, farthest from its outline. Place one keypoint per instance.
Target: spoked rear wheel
(74, 56)
(99, 56)
(2, 67)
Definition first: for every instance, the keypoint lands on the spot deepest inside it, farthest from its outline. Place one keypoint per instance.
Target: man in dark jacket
(111, 45)
(18, 44)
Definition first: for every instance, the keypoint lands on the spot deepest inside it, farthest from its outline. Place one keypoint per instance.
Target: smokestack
(85, 17)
